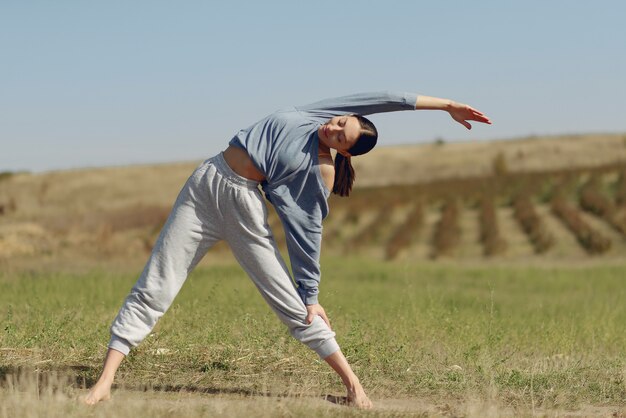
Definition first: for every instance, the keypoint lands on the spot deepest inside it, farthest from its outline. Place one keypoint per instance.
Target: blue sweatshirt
(284, 147)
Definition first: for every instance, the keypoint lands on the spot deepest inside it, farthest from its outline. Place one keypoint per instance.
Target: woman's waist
(240, 162)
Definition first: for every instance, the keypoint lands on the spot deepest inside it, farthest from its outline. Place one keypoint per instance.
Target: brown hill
(116, 212)
(436, 161)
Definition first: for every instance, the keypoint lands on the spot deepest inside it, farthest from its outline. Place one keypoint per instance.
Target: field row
(570, 214)
(561, 213)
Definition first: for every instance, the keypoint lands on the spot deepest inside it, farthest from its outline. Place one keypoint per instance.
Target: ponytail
(344, 172)
(344, 175)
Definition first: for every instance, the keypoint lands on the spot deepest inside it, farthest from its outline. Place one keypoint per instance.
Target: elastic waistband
(224, 169)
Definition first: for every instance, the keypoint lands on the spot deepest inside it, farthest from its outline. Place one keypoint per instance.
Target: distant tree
(4, 175)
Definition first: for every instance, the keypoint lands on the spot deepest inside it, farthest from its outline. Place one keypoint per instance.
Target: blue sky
(121, 82)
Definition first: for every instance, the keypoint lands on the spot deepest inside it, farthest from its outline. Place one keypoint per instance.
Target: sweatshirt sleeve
(304, 240)
(362, 104)
(301, 215)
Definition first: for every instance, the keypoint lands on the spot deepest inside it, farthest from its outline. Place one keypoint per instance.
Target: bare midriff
(239, 161)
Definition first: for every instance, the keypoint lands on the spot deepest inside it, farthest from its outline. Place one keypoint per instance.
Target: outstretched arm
(460, 112)
(387, 101)
(362, 104)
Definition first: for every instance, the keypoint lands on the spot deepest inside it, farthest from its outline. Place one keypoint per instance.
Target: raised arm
(387, 101)
(362, 104)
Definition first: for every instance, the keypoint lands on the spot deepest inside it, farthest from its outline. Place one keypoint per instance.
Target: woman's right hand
(316, 310)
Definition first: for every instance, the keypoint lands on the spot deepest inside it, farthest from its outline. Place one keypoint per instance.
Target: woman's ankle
(106, 379)
(352, 383)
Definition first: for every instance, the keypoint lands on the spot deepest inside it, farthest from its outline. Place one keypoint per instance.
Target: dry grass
(525, 214)
(52, 395)
(447, 231)
(493, 242)
(428, 162)
(116, 213)
(58, 395)
(592, 240)
(403, 234)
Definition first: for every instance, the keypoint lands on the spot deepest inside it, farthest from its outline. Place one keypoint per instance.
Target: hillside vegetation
(555, 198)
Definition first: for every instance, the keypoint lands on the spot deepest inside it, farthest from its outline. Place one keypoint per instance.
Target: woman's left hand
(462, 113)
(316, 310)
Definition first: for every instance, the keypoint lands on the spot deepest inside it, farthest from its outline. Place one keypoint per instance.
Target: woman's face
(340, 133)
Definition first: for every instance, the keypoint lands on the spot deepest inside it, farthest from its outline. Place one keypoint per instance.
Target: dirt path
(131, 403)
(194, 404)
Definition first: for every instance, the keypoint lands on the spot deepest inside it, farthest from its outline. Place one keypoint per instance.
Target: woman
(288, 154)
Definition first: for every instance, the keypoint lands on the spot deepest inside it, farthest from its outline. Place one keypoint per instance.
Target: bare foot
(100, 392)
(357, 398)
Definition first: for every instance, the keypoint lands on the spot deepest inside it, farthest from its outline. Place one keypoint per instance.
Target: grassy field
(426, 339)
(471, 279)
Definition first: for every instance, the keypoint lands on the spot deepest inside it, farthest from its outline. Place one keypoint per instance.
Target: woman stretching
(288, 155)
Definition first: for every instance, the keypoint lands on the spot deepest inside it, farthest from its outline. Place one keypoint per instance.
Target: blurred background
(105, 109)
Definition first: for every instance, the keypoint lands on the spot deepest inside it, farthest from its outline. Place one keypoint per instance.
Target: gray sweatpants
(214, 204)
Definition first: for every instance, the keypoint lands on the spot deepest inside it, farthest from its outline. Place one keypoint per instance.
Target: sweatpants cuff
(119, 344)
(327, 348)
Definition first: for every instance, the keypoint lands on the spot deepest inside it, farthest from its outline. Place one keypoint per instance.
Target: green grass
(548, 337)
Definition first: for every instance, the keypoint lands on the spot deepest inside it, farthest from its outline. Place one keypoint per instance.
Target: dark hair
(344, 172)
